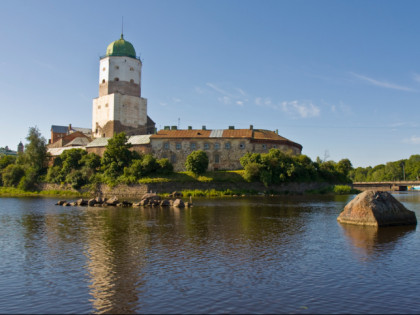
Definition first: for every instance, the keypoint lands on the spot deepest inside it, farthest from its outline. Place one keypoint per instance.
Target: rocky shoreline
(147, 200)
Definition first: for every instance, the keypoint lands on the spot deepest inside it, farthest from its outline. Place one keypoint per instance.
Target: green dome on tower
(121, 47)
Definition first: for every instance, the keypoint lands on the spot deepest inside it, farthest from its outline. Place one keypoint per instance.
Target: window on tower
(116, 67)
(131, 81)
(103, 81)
(116, 79)
(131, 69)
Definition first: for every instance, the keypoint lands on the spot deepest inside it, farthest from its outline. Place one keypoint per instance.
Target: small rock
(165, 203)
(112, 201)
(179, 203)
(73, 204)
(66, 204)
(60, 202)
(82, 202)
(91, 202)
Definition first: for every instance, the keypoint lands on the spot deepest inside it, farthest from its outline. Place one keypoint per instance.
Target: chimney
(189, 127)
(204, 128)
(166, 128)
(174, 128)
(232, 127)
(251, 127)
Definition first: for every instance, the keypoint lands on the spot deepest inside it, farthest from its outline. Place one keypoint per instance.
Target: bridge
(385, 186)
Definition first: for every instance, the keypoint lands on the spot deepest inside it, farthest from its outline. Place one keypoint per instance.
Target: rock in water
(376, 208)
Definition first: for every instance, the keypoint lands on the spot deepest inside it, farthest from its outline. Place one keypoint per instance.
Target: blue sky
(342, 78)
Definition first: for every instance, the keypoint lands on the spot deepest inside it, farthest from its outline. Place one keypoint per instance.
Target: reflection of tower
(20, 147)
(116, 250)
(120, 106)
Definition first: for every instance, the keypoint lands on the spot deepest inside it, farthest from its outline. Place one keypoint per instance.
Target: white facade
(130, 110)
(119, 98)
(124, 68)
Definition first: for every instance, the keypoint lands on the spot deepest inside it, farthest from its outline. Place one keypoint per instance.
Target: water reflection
(374, 241)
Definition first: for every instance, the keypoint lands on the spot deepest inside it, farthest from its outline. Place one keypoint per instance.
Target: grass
(336, 190)
(15, 192)
(215, 193)
(189, 177)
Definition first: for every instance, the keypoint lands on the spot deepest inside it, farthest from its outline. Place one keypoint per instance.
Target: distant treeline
(391, 171)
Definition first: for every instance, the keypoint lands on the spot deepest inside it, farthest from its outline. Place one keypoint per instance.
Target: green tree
(344, 166)
(12, 175)
(35, 155)
(197, 162)
(117, 156)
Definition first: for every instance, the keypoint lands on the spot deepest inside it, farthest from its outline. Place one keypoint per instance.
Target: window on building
(131, 69)
(193, 146)
(116, 67)
(173, 158)
(227, 145)
(264, 146)
(131, 81)
(178, 146)
(274, 146)
(216, 158)
(164, 156)
(242, 145)
(206, 146)
(217, 146)
(103, 69)
(116, 79)
(103, 81)
(166, 145)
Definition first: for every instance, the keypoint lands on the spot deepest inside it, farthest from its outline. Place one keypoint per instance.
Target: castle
(120, 107)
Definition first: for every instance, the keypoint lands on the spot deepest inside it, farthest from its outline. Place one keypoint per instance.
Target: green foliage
(12, 175)
(29, 180)
(277, 167)
(165, 167)
(117, 156)
(391, 171)
(6, 160)
(197, 162)
(35, 155)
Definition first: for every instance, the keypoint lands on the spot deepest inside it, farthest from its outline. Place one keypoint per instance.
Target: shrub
(12, 175)
(197, 162)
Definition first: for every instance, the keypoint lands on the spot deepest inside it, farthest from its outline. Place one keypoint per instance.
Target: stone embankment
(376, 208)
(136, 190)
(147, 200)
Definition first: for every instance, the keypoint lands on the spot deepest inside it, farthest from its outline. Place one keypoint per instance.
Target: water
(238, 255)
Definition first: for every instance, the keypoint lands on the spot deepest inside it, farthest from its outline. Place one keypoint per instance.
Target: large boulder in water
(376, 208)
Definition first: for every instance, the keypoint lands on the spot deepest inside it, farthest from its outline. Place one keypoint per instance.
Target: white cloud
(236, 96)
(302, 109)
(383, 84)
(176, 100)
(413, 140)
(416, 77)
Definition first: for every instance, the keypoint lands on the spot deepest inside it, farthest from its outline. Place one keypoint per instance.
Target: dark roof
(59, 129)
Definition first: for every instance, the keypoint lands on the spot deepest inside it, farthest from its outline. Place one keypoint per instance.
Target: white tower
(120, 106)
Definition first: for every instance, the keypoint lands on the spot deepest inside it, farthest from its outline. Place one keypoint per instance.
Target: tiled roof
(195, 133)
(83, 130)
(139, 139)
(59, 129)
(58, 151)
(79, 141)
(98, 142)
(259, 134)
(237, 133)
(267, 135)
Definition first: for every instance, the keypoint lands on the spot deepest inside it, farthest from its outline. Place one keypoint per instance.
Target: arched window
(103, 81)
(131, 81)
